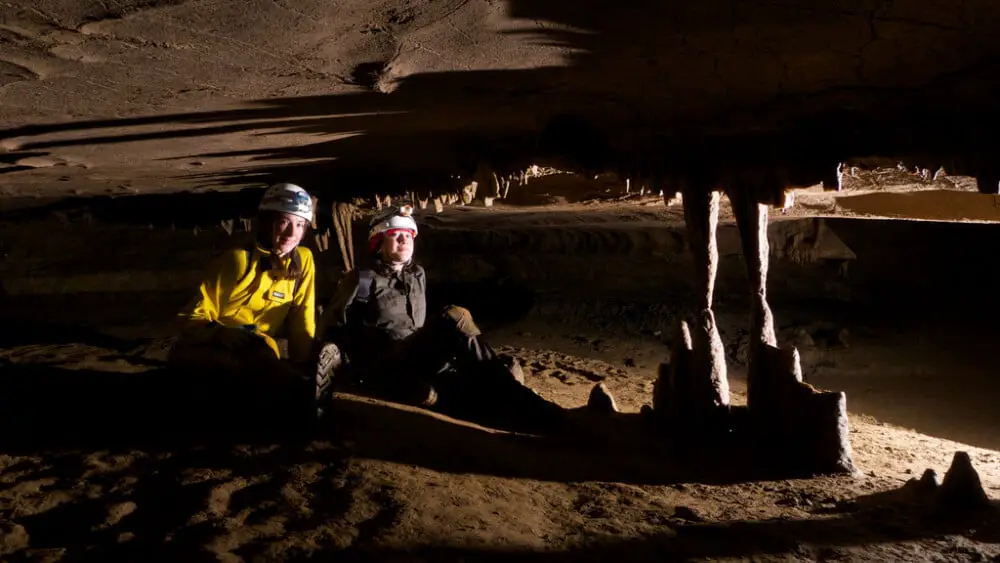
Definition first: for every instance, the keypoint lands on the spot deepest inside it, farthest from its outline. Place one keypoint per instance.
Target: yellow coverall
(238, 295)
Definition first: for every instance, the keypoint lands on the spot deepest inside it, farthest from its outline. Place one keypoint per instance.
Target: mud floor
(99, 460)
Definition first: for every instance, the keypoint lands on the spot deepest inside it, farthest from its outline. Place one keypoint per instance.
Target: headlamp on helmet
(288, 198)
(389, 221)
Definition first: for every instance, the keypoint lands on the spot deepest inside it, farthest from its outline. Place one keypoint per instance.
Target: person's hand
(234, 338)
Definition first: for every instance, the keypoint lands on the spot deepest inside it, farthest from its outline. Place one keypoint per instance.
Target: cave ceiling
(349, 96)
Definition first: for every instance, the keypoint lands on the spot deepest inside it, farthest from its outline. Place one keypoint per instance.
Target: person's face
(287, 231)
(398, 246)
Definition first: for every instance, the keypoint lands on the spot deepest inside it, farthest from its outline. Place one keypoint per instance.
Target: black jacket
(374, 304)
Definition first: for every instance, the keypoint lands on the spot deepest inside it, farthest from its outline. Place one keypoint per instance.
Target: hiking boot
(513, 365)
(430, 398)
(327, 365)
(416, 393)
(505, 402)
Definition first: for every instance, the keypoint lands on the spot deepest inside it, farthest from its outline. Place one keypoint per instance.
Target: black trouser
(449, 355)
(246, 383)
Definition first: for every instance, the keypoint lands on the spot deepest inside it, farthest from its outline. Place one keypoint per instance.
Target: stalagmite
(807, 427)
(438, 204)
(930, 479)
(842, 170)
(674, 389)
(961, 488)
(959, 495)
(601, 400)
(469, 192)
(788, 201)
(691, 394)
(343, 219)
(701, 214)
(795, 427)
(751, 221)
(323, 241)
(486, 177)
(227, 225)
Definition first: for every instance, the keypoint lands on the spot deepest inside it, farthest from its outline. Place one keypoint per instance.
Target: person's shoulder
(235, 252)
(353, 279)
(234, 257)
(417, 270)
(305, 255)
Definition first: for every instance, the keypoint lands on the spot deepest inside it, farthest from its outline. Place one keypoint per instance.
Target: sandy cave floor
(454, 491)
(389, 482)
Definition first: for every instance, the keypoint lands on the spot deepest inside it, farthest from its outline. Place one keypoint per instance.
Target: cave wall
(617, 277)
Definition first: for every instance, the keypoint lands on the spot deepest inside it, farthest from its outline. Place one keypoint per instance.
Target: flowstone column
(805, 428)
(701, 215)
(751, 220)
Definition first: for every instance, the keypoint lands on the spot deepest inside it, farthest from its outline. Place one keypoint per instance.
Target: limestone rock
(13, 537)
(930, 479)
(926, 486)
(961, 488)
(601, 400)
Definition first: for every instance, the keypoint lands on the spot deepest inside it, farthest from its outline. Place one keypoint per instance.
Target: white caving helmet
(288, 198)
(389, 221)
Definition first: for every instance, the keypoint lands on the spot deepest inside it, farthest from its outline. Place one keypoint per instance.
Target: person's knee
(192, 354)
(461, 319)
(202, 358)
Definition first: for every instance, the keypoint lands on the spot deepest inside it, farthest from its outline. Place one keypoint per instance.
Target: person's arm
(200, 317)
(302, 318)
(336, 315)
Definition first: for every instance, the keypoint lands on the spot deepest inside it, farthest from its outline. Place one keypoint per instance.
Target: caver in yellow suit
(249, 298)
(247, 290)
